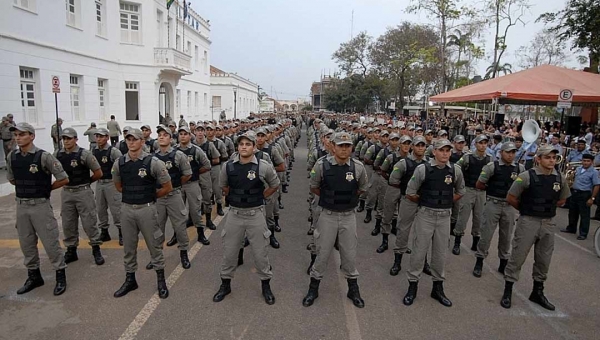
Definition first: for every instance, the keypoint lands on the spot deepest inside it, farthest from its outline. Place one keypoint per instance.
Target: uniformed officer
(377, 183)
(91, 134)
(122, 145)
(496, 178)
(55, 133)
(30, 170)
(474, 200)
(7, 137)
(246, 182)
(136, 175)
(215, 170)
(172, 205)
(535, 193)
(107, 195)
(434, 186)
(206, 183)
(77, 198)
(584, 192)
(338, 180)
(458, 152)
(151, 144)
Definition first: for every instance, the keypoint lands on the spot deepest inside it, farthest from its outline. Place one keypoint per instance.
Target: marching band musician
(583, 194)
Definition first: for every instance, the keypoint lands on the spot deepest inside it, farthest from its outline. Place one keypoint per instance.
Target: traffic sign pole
(56, 90)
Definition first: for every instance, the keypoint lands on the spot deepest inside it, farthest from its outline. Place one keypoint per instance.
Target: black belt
(581, 191)
(7, 140)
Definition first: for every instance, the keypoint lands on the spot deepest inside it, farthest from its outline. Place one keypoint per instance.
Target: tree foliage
(545, 48)
(353, 56)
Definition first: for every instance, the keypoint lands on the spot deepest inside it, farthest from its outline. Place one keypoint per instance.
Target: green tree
(353, 56)
(497, 69)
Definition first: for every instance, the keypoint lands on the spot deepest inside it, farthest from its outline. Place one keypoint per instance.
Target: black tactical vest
(173, 169)
(245, 187)
(455, 157)
(139, 186)
(30, 180)
(540, 198)
(473, 170)
(78, 172)
(395, 159)
(106, 163)
(499, 184)
(123, 147)
(437, 189)
(191, 155)
(269, 151)
(150, 143)
(411, 165)
(339, 187)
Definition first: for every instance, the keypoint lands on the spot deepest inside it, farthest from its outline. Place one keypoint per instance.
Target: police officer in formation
(215, 171)
(206, 179)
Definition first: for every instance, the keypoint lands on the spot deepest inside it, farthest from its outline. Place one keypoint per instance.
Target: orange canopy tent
(539, 85)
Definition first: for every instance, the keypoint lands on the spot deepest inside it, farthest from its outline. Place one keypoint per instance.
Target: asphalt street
(88, 309)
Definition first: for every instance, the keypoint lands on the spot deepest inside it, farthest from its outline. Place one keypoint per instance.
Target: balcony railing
(173, 60)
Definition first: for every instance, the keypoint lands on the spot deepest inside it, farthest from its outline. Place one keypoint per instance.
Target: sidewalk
(5, 187)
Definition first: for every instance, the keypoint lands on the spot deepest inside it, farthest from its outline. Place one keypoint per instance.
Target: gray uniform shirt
(91, 133)
(316, 174)
(115, 153)
(201, 157)
(488, 172)
(157, 169)
(181, 161)
(212, 150)
(220, 146)
(400, 169)
(266, 173)
(6, 133)
(114, 130)
(276, 155)
(522, 183)
(50, 164)
(385, 163)
(86, 157)
(419, 176)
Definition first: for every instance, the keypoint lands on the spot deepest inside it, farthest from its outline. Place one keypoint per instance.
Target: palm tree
(504, 68)
(462, 42)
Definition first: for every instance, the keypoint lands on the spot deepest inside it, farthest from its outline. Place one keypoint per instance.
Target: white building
(132, 59)
(233, 94)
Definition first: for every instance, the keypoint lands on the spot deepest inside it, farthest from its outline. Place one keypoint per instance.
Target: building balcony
(173, 61)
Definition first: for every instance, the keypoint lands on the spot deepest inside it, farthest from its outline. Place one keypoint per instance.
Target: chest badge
(349, 176)
(190, 158)
(104, 159)
(556, 187)
(513, 176)
(33, 168)
(251, 175)
(448, 179)
(168, 164)
(142, 172)
(73, 163)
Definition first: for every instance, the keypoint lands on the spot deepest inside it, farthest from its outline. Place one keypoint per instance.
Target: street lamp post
(234, 103)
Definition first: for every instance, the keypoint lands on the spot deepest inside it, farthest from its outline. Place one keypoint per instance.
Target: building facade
(317, 93)
(232, 94)
(134, 59)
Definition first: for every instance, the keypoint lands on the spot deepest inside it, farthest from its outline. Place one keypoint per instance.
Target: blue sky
(285, 45)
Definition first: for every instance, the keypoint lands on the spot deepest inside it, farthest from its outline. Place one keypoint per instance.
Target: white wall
(247, 95)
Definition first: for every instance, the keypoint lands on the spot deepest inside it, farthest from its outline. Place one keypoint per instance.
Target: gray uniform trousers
(270, 205)
(473, 200)
(79, 203)
(455, 211)
(248, 222)
(365, 195)
(377, 195)
(316, 213)
(372, 191)
(141, 218)
(332, 225)
(7, 145)
(539, 233)
(390, 207)
(93, 145)
(406, 217)
(497, 212)
(215, 177)
(431, 228)
(192, 197)
(35, 219)
(281, 176)
(107, 197)
(206, 189)
(172, 206)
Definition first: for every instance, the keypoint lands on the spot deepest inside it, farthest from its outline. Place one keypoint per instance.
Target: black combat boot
(61, 282)
(220, 211)
(313, 292)
(34, 280)
(361, 206)
(209, 223)
(266, 292)
(478, 267)
(313, 257)
(384, 243)
(246, 241)
(224, 290)
(97, 254)
(394, 227)
(71, 254)
(241, 257)
(280, 204)
(189, 223)
(426, 267)
(537, 296)
(475, 243)
(277, 227)
(411, 294)
(354, 293)
(502, 266)
(172, 241)
(311, 230)
(201, 238)
(310, 219)
(377, 228)
(507, 296)
(397, 266)
(368, 217)
(129, 285)
(120, 237)
(284, 188)
(456, 248)
(437, 292)
(163, 291)
(272, 240)
(185, 261)
(104, 235)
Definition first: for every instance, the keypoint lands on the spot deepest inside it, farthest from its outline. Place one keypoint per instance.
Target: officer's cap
(342, 138)
(10, 115)
(172, 124)
(480, 138)
(24, 127)
(249, 135)
(161, 127)
(509, 146)
(146, 127)
(328, 132)
(394, 135)
(418, 128)
(428, 132)
(545, 150)
(440, 143)
(377, 128)
(127, 128)
(384, 133)
(405, 138)
(192, 122)
(588, 156)
(184, 128)
(459, 139)
(410, 128)
(209, 126)
(442, 133)
(262, 130)
(135, 133)
(218, 127)
(581, 141)
(69, 132)
(93, 124)
(419, 139)
(101, 132)
(369, 130)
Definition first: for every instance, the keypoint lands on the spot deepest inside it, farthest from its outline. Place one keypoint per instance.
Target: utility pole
(234, 103)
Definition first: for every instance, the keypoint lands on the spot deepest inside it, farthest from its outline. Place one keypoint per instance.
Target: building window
(100, 18)
(206, 100)
(102, 85)
(73, 12)
(28, 5)
(189, 48)
(196, 56)
(132, 101)
(130, 23)
(216, 102)
(196, 104)
(189, 102)
(177, 101)
(205, 62)
(75, 82)
(28, 95)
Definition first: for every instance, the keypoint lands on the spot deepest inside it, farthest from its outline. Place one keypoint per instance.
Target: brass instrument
(570, 173)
